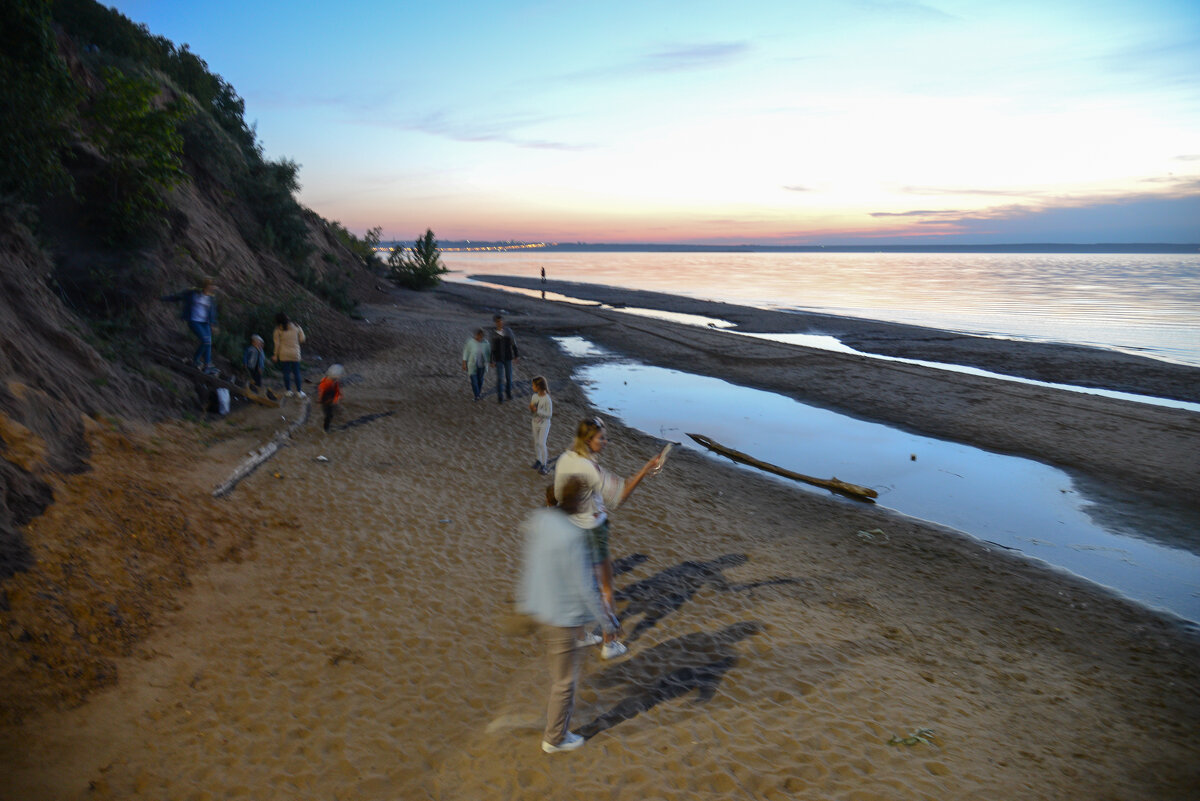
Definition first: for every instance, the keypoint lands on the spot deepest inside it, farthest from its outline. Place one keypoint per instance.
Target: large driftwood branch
(262, 454)
(832, 484)
(191, 372)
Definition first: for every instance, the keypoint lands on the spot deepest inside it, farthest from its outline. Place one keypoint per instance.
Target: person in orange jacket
(329, 392)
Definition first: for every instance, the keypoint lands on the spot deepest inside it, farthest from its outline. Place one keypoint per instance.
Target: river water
(1147, 304)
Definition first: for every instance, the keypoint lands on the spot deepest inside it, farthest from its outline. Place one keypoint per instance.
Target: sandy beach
(342, 628)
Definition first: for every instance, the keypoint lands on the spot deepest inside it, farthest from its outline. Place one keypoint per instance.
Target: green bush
(420, 268)
(143, 155)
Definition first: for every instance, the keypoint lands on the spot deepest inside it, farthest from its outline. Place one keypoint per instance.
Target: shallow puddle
(1017, 503)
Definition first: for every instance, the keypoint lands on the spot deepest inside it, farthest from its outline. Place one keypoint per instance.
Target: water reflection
(1016, 503)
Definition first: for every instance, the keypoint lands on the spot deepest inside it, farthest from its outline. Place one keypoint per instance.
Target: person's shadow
(661, 594)
(670, 670)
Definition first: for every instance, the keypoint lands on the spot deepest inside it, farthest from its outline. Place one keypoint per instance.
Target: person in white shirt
(602, 490)
(542, 409)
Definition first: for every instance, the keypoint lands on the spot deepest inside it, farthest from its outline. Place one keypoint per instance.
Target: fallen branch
(832, 484)
(262, 454)
(167, 360)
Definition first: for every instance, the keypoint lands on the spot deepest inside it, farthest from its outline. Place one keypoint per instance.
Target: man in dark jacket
(504, 353)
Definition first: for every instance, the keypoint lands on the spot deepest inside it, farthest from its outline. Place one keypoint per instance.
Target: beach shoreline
(1053, 362)
(358, 649)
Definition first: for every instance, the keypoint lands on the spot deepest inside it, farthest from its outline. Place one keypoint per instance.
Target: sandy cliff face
(95, 534)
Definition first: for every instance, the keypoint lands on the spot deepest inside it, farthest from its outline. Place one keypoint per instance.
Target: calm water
(1141, 303)
(1017, 503)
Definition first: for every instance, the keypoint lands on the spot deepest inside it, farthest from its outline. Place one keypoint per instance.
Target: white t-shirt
(602, 489)
(545, 406)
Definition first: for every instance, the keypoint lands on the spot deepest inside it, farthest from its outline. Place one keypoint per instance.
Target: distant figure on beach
(602, 490)
(542, 408)
(288, 339)
(254, 359)
(543, 283)
(329, 392)
(475, 357)
(504, 353)
(556, 589)
(199, 310)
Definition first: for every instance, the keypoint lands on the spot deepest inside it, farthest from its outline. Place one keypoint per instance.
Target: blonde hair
(584, 433)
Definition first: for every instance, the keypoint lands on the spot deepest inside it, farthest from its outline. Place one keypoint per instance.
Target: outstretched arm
(646, 470)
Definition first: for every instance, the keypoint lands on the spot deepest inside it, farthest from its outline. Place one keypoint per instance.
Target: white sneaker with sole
(588, 640)
(301, 394)
(569, 743)
(612, 650)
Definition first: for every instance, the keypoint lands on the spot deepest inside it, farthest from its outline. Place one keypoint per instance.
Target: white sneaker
(569, 743)
(291, 394)
(589, 640)
(301, 394)
(612, 650)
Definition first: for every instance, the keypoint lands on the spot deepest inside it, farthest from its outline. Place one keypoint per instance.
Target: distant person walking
(475, 357)
(542, 409)
(602, 491)
(504, 353)
(288, 339)
(254, 359)
(556, 589)
(543, 283)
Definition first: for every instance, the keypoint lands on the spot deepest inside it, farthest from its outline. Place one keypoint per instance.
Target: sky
(760, 121)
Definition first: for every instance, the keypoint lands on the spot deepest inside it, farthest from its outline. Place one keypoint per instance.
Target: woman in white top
(542, 409)
(602, 490)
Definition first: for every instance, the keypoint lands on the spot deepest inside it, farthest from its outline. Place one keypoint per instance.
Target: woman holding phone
(603, 491)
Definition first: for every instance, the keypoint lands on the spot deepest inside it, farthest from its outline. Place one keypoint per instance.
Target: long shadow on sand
(670, 670)
(661, 594)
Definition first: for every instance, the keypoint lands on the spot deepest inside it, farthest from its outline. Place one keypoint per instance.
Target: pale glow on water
(1014, 502)
(1147, 304)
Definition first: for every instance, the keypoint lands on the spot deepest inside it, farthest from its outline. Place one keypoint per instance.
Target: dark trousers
(504, 380)
(328, 408)
(477, 382)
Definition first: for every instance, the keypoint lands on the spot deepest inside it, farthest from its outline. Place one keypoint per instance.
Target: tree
(418, 268)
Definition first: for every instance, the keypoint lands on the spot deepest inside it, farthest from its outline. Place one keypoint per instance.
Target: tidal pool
(1016, 503)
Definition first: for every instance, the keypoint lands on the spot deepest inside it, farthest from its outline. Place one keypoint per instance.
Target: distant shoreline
(586, 247)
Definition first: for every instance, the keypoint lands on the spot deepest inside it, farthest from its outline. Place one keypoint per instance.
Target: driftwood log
(261, 455)
(832, 484)
(167, 360)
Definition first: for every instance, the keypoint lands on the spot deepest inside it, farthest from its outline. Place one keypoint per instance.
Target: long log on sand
(832, 484)
(262, 454)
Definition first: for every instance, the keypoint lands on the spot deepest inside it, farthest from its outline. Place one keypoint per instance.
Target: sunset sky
(790, 122)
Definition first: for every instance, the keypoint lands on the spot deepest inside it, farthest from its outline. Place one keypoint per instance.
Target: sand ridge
(359, 650)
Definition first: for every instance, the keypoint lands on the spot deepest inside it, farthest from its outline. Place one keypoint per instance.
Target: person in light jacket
(557, 589)
(288, 339)
(475, 357)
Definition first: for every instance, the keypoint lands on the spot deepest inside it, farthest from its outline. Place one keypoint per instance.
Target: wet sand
(361, 646)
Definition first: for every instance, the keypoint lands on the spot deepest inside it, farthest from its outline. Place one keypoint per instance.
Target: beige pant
(564, 656)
